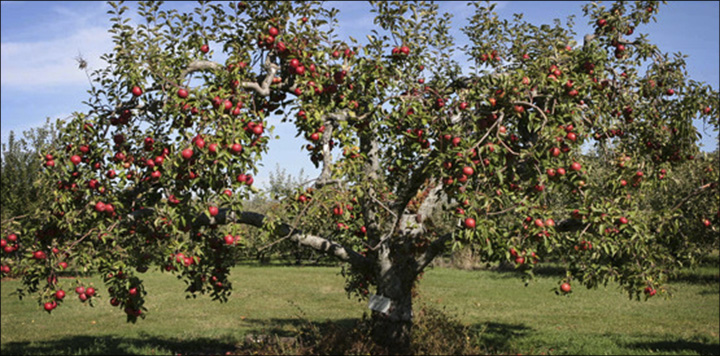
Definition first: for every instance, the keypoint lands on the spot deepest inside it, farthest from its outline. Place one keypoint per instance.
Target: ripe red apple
(571, 136)
(204, 48)
(213, 148)
(213, 210)
(550, 222)
(137, 91)
(575, 166)
(468, 171)
(133, 291)
(539, 223)
(187, 153)
(565, 287)
(49, 306)
(60, 294)
(39, 255)
(273, 31)
(706, 222)
(182, 93)
(99, 207)
(63, 264)
(236, 148)
(555, 151)
(75, 159)
(90, 291)
(80, 290)
(469, 223)
(623, 220)
(520, 260)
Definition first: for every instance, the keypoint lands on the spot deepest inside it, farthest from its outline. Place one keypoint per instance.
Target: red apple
(565, 287)
(470, 223)
(575, 166)
(75, 159)
(137, 91)
(182, 93)
(204, 48)
(539, 223)
(213, 210)
(60, 294)
(187, 153)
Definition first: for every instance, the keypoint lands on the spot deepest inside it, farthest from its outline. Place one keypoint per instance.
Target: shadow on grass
(498, 337)
(677, 346)
(110, 345)
(493, 338)
(291, 327)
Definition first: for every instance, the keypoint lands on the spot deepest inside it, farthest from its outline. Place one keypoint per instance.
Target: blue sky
(40, 79)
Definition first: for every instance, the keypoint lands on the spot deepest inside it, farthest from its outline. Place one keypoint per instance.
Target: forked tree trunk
(395, 281)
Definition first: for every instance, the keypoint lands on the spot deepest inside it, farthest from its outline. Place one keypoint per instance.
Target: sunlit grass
(505, 314)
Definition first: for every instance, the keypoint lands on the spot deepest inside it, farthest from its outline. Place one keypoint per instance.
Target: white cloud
(36, 65)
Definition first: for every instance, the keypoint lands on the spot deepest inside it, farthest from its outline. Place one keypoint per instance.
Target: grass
(505, 315)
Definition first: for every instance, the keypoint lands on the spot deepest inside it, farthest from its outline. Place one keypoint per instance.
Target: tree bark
(396, 275)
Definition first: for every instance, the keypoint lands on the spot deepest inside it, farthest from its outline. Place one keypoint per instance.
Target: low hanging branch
(227, 216)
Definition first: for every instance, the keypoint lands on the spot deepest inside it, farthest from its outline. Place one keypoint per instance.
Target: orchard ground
(503, 315)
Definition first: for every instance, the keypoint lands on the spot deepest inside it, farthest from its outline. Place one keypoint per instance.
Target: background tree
(19, 195)
(165, 154)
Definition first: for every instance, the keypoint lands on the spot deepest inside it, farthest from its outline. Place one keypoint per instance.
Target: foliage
(180, 119)
(19, 195)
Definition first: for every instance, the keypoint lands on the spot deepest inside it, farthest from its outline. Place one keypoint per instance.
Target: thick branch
(436, 248)
(197, 66)
(264, 88)
(227, 216)
(370, 149)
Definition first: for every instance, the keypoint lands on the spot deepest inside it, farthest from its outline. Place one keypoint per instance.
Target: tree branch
(227, 216)
(436, 247)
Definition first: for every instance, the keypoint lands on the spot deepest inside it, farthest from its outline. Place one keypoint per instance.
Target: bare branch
(198, 66)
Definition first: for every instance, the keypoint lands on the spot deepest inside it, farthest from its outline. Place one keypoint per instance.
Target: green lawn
(497, 305)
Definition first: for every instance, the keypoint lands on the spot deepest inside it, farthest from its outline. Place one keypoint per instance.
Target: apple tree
(417, 154)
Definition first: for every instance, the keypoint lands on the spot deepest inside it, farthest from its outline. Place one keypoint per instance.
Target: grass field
(496, 305)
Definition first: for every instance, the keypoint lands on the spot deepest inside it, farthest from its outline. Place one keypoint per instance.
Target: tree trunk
(395, 281)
